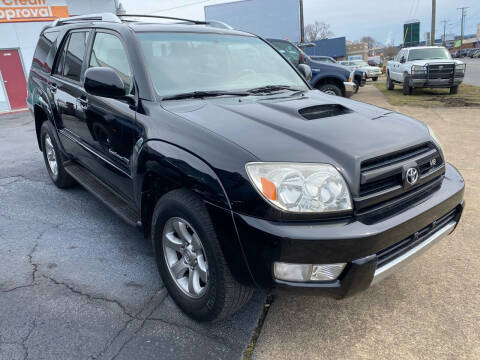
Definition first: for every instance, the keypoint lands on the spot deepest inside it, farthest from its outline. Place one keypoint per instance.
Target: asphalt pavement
(78, 283)
(472, 75)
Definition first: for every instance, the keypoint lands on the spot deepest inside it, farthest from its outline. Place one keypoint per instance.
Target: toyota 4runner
(240, 174)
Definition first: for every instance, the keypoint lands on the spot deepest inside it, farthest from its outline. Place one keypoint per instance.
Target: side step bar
(104, 193)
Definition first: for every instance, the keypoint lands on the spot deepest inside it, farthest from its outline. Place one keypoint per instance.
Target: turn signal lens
(307, 272)
(269, 189)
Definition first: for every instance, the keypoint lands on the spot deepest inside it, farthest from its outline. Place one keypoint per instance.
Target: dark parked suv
(241, 175)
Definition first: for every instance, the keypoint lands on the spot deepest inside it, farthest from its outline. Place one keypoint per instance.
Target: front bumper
(419, 81)
(350, 88)
(361, 243)
(374, 75)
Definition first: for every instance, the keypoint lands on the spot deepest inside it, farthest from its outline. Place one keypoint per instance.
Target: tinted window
(74, 55)
(108, 51)
(287, 50)
(45, 51)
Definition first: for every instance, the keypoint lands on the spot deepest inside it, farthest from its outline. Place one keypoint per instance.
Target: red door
(13, 78)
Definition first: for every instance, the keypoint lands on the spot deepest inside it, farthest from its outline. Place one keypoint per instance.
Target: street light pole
(302, 27)
(463, 21)
(432, 31)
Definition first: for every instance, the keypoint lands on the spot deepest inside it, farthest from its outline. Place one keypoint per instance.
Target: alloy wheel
(51, 156)
(185, 257)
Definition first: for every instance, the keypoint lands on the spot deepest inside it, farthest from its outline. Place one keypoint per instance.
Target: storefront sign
(31, 10)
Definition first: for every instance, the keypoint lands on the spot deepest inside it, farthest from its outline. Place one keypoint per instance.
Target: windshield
(186, 62)
(428, 54)
(361, 63)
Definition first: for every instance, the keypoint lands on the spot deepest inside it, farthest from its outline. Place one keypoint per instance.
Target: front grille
(382, 177)
(391, 253)
(440, 71)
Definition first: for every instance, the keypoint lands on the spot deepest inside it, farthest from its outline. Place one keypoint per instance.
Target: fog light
(307, 272)
(327, 272)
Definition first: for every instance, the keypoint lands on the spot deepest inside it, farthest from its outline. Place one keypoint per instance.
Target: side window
(108, 51)
(77, 44)
(45, 51)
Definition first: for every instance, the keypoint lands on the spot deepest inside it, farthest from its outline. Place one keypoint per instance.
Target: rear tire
(53, 157)
(214, 293)
(454, 90)
(407, 89)
(390, 84)
(330, 89)
(375, 78)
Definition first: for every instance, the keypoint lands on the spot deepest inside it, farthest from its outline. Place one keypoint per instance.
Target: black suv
(242, 175)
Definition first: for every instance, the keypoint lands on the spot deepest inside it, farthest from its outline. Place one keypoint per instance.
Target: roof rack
(197, 22)
(109, 17)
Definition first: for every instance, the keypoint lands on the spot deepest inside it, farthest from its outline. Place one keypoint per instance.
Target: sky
(381, 19)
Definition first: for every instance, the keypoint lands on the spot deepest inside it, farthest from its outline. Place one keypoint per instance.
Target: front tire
(53, 157)
(407, 89)
(375, 78)
(331, 89)
(390, 84)
(190, 260)
(454, 90)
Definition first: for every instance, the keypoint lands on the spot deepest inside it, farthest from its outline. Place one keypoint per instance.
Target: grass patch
(468, 96)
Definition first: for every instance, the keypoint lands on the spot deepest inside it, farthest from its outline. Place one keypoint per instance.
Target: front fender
(319, 77)
(177, 168)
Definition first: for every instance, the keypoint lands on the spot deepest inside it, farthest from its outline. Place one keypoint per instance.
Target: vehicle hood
(435, 61)
(336, 67)
(272, 129)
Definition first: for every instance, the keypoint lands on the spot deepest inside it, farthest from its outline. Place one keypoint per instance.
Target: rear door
(69, 94)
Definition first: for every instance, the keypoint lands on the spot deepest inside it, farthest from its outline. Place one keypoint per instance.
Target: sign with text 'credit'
(31, 10)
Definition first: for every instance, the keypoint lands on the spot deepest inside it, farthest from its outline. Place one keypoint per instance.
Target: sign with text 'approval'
(31, 10)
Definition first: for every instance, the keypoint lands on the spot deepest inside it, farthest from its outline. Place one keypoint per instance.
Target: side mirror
(105, 82)
(402, 60)
(306, 71)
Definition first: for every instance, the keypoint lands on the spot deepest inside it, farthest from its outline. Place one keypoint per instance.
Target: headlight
(434, 136)
(417, 69)
(460, 68)
(301, 188)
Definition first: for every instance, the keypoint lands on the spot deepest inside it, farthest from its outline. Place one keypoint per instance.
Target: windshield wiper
(271, 88)
(203, 94)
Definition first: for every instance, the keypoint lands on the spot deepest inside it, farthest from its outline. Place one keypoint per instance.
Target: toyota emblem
(412, 176)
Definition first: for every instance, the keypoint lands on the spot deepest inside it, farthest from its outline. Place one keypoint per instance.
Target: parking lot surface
(428, 310)
(77, 283)
(472, 75)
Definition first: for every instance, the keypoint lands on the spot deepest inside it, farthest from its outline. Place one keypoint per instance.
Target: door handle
(83, 102)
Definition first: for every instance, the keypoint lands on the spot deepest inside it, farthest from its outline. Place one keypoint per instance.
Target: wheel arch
(328, 79)
(162, 167)
(41, 113)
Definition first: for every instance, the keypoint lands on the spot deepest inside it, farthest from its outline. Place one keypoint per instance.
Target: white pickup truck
(425, 67)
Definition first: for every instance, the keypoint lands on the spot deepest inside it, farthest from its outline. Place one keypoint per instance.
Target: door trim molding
(72, 137)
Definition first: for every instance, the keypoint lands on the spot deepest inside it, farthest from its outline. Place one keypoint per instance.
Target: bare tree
(390, 51)
(370, 41)
(317, 31)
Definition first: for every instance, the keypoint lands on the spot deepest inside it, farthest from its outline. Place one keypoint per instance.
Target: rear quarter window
(45, 51)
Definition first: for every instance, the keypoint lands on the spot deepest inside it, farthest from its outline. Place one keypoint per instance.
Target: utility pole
(302, 27)
(444, 41)
(464, 13)
(432, 31)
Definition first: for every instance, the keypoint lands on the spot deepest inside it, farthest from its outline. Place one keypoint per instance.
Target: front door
(111, 122)
(14, 83)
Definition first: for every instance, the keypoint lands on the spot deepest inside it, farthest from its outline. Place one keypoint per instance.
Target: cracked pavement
(78, 283)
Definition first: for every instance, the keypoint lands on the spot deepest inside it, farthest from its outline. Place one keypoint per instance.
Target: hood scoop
(323, 111)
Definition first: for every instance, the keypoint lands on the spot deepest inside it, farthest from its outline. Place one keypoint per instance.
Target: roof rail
(219, 24)
(197, 22)
(109, 17)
